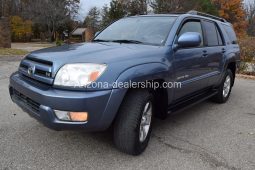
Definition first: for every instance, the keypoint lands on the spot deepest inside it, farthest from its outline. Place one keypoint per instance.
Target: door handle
(223, 50)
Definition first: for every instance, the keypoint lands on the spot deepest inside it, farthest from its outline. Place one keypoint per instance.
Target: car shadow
(104, 139)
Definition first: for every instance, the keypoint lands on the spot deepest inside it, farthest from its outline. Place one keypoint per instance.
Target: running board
(185, 104)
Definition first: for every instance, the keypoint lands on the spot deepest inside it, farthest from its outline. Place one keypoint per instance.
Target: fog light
(79, 116)
(72, 116)
(62, 115)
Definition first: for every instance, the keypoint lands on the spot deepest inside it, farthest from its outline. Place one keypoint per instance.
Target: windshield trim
(141, 16)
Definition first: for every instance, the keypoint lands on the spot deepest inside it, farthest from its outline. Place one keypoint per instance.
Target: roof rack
(206, 15)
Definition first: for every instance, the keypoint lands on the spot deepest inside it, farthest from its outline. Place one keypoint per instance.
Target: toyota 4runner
(76, 86)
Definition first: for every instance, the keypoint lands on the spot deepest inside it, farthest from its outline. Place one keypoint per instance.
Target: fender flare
(139, 73)
(144, 72)
(231, 57)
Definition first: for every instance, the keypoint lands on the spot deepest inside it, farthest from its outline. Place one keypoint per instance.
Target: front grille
(37, 69)
(42, 73)
(27, 101)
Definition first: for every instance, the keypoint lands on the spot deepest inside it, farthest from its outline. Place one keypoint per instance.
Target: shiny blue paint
(198, 67)
(189, 39)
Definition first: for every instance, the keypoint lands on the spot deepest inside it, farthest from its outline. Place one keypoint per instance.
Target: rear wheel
(225, 88)
(132, 128)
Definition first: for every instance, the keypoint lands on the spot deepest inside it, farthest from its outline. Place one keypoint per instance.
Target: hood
(94, 53)
(117, 57)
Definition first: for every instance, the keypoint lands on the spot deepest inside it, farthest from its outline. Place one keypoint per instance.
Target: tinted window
(211, 33)
(192, 26)
(231, 34)
(149, 30)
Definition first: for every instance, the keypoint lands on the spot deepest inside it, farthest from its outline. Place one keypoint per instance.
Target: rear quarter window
(231, 34)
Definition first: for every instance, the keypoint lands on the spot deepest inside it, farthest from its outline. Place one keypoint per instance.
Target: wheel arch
(152, 72)
(233, 67)
(231, 64)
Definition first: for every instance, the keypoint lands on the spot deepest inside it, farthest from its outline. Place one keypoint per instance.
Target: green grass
(12, 52)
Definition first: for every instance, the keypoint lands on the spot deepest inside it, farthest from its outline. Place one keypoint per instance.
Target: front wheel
(132, 128)
(225, 88)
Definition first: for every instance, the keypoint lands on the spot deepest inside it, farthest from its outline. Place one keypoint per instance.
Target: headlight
(78, 75)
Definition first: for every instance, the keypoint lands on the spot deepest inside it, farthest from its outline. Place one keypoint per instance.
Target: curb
(245, 76)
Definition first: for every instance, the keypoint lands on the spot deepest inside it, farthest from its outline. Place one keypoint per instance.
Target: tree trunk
(5, 32)
(5, 28)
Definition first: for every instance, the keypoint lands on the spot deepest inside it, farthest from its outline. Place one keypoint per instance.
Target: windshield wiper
(120, 41)
(128, 41)
(99, 40)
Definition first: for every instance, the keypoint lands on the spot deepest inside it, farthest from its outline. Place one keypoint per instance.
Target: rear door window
(212, 34)
(219, 37)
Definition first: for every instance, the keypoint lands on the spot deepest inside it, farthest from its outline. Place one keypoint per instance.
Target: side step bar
(185, 104)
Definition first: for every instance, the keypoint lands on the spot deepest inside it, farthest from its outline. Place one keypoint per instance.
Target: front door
(188, 63)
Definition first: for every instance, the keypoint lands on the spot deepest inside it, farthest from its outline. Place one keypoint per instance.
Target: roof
(190, 13)
(79, 31)
(157, 15)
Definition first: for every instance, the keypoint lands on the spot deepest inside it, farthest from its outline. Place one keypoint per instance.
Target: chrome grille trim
(37, 69)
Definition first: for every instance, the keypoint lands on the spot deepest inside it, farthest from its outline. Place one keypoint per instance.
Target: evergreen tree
(173, 6)
(206, 6)
(105, 21)
(165, 6)
(136, 7)
(116, 11)
(92, 21)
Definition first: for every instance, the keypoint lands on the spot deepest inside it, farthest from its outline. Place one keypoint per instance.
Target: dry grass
(250, 77)
(247, 49)
(12, 52)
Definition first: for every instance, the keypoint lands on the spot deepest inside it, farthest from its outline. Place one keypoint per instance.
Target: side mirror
(189, 39)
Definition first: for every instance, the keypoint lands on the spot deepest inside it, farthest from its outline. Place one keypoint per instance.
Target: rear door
(215, 50)
(188, 63)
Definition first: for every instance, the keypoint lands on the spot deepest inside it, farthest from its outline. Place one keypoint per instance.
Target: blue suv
(136, 69)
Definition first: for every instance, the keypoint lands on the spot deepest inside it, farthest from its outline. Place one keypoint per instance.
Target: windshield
(139, 30)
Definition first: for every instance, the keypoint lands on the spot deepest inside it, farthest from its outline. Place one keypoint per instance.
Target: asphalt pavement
(207, 136)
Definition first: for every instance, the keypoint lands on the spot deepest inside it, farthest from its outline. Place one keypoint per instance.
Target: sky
(86, 5)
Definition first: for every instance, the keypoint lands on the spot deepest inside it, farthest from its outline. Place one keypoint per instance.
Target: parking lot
(207, 136)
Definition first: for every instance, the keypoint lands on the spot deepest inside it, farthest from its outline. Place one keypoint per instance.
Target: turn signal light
(94, 76)
(72, 116)
(78, 116)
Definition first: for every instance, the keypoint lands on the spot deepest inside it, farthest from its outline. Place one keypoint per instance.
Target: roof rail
(206, 15)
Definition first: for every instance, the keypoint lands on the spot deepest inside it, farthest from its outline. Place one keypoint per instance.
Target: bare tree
(53, 14)
(9, 7)
(250, 12)
(5, 7)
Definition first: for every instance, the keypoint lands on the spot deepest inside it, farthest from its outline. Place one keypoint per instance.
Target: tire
(127, 135)
(222, 97)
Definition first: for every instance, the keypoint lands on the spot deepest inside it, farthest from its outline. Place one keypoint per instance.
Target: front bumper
(40, 101)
